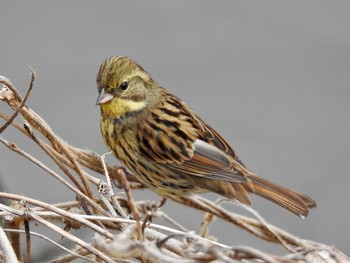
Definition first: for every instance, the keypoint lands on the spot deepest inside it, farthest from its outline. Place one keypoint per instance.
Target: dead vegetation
(122, 228)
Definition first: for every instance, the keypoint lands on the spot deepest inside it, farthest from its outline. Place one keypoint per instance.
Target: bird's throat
(119, 107)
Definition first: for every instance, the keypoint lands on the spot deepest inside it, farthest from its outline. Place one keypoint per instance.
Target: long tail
(297, 203)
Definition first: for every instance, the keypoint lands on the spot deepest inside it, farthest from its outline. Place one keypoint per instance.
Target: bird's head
(123, 86)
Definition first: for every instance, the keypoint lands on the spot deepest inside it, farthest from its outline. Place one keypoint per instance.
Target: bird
(169, 148)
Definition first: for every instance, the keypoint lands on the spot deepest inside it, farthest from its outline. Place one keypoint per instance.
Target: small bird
(169, 148)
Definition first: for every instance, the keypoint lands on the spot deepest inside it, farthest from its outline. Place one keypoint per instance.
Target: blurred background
(271, 76)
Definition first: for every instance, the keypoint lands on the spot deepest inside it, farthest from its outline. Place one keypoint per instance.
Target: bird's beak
(103, 97)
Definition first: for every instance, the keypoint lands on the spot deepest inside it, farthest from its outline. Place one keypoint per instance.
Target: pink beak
(103, 97)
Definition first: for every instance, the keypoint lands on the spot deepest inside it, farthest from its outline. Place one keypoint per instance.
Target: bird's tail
(297, 203)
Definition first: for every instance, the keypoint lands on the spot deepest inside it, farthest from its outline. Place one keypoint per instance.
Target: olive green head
(123, 86)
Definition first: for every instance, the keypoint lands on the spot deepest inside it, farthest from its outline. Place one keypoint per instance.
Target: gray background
(271, 76)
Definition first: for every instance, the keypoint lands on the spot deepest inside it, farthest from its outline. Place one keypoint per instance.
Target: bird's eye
(124, 85)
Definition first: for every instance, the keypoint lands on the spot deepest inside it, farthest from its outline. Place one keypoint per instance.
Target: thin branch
(50, 151)
(6, 248)
(58, 211)
(15, 148)
(28, 241)
(5, 81)
(76, 255)
(70, 237)
(111, 194)
(117, 236)
(132, 205)
(32, 73)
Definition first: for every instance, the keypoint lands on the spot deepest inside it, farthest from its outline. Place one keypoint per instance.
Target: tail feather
(297, 203)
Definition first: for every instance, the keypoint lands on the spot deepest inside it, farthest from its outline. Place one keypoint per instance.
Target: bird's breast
(119, 136)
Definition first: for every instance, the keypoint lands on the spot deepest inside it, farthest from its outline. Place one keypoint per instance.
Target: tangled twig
(116, 237)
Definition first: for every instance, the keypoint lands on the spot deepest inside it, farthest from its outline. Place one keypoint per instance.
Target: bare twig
(8, 122)
(14, 148)
(51, 153)
(6, 248)
(70, 237)
(76, 255)
(132, 205)
(28, 240)
(111, 194)
(122, 239)
(56, 210)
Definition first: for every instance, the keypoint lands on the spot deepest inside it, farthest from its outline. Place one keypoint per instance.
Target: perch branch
(115, 238)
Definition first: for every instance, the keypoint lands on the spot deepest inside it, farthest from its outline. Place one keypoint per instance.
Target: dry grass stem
(114, 222)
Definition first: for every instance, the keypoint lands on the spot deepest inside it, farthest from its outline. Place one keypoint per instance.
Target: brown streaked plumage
(169, 148)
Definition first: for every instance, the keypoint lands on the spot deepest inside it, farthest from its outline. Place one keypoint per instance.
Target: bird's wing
(210, 162)
(172, 134)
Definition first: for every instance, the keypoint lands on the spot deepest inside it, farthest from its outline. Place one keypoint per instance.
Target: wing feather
(172, 134)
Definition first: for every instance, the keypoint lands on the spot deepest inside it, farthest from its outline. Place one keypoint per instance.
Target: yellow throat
(119, 107)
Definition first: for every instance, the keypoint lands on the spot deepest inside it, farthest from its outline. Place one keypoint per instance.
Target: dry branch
(116, 237)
